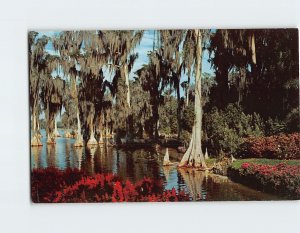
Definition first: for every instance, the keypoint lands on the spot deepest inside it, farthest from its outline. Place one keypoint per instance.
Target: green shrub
(292, 120)
(274, 126)
(225, 129)
(188, 116)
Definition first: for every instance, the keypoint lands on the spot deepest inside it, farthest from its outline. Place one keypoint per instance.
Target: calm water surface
(134, 165)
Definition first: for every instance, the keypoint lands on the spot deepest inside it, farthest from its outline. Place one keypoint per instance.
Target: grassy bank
(238, 163)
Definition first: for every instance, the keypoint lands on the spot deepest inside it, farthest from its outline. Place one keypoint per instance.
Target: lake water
(134, 165)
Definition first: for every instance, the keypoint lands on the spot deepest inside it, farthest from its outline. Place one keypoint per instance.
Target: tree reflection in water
(167, 170)
(78, 153)
(69, 158)
(51, 155)
(194, 181)
(36, 152)
(91, 150)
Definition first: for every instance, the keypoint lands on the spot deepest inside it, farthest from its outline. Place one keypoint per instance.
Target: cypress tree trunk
(92, 140)
(50, 125)
(79, 138)
(55, 133)
(178, 109)
(100, 130)
(187, 93)
(67, 133)
(253, 49)
(127, 84)
(35, 140)
(193, 157)
(129, 117)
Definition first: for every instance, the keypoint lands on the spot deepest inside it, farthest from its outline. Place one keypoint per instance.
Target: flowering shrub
(52, 185)
(282, 146)
(280, 178)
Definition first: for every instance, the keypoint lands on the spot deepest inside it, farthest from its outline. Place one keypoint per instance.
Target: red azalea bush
(44, 181)
(280, 178)
(282, 146)
(53, 185)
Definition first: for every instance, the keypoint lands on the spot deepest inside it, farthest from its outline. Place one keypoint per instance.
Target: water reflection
(51, 157)
(77, 157)
(167, 171)
(194, 181)
(134, 165)
(36, 157)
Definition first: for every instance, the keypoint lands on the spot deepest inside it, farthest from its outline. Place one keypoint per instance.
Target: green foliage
(186, 137)
(167, 113)
(225, 129)
(140, 108)
(267, 84)
(274, 126)
(60, 125)
(292, 120)
(188, 117)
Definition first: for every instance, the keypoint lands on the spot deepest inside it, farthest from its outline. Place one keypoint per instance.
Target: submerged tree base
(193, 157)
(167, 161)
(92, 141)
(78, 143)
(100, 142)
(68, 135)
(51, 141)
(56, 134)
(36, 141)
